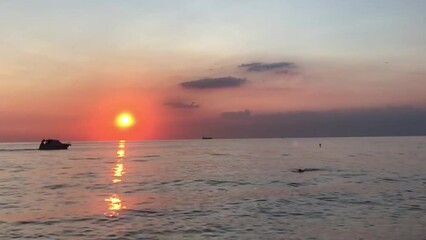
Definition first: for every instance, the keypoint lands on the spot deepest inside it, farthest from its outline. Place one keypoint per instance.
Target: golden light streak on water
(118, 170)
(120, 153)
(114, 201)
(114, 205)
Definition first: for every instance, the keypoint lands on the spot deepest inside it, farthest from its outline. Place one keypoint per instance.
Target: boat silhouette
(52, 144)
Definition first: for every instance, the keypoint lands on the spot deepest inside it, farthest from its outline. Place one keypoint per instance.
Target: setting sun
(125, 120)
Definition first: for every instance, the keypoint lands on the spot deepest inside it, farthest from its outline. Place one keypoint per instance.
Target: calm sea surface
(354, 188)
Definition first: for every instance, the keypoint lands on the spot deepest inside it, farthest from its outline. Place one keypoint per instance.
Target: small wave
(8, 205)
(176, 182)
(38, 222)
(219, 154)
(224, 182)
(392, 180)
(294, 184)
(97, 186)
(85, 175)
(140, 160)
(210, 182)
(143, 203)
(20, 169)
(85, 158)
(197, 213)
(414, 207)
(360, 202)
(149, 156)
(307, 170)
(79, 219)
(328, 198)
(57, 186)
(350, 175)
(146, 212)
(18, 150)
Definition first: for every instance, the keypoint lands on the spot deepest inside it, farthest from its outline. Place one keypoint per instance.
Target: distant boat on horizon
(53, 144)
(204, 137)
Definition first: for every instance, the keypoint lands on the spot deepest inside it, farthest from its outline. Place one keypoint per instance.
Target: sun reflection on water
(118, 172)
(114, 201)
(114, 205)
(120, 153)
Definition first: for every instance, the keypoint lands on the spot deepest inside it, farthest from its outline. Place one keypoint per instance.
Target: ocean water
(353, 188)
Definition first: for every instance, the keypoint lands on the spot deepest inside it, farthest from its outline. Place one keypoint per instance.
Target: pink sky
(68, 71)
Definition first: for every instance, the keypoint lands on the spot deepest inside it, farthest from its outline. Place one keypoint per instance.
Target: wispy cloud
(279, 67)
(182, 105)
(208, 83)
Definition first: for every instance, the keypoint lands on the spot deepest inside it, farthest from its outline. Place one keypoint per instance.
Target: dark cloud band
(182, 105)
(208, 83)
(262, 67)
(388, 121)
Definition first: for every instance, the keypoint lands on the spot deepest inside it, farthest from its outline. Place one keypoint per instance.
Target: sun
(125, 120)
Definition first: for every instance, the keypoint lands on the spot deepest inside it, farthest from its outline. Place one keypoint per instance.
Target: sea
(349, 188)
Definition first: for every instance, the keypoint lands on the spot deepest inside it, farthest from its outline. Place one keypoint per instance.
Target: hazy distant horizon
(184, 139)
(384, 122)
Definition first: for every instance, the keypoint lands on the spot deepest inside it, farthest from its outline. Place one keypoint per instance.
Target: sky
(226, 69)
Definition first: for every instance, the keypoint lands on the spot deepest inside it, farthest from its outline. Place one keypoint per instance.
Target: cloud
(279, 67)
(182, 105)
(386, 121)
(239, 115)
(207, 83)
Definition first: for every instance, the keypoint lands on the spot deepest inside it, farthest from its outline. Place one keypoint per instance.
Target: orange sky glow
(68, 74)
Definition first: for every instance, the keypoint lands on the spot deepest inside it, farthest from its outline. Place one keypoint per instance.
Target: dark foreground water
(355, 188)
